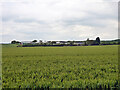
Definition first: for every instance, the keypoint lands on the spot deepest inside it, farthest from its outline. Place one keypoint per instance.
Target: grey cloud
(8, 18)
(93, 23)
(94, 15)
(21, 20)
(30, 20)
(86, 22)
(92, 19)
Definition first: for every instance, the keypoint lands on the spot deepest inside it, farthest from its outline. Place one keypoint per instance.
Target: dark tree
(18, 42)
(34, 41)
(97, 40)
(71, 42)
(85, 43)
(53, 42)
(87, 39)
(13, 42)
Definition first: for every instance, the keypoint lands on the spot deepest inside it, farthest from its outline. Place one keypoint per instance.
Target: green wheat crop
(60, 67)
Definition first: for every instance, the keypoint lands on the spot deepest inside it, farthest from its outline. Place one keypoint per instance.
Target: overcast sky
(26, 20)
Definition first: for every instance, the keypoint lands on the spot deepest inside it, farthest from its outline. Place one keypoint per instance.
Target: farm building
(93, 42)
(79, 43)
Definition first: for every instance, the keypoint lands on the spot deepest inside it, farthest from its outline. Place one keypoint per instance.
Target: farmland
(60, 67)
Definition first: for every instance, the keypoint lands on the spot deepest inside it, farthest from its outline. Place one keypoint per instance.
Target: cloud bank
(58, 19)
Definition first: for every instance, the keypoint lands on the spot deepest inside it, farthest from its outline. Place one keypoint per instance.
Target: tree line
(68, 43)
